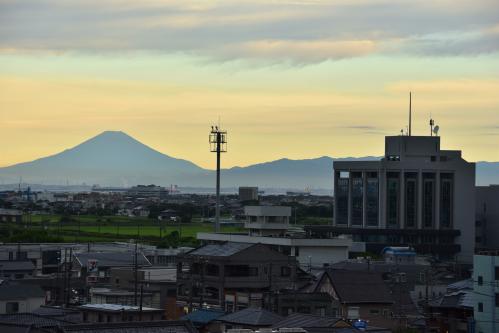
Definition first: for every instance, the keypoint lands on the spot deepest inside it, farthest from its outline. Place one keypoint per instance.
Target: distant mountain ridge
(114, 158)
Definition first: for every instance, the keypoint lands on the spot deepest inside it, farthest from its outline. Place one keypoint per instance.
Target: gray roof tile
(252, 316)
(220, 250)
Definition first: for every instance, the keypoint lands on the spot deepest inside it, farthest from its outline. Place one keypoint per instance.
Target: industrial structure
(218, 144)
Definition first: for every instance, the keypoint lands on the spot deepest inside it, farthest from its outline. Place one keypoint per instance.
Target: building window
(480, 280)
(303, 309)
(411, 203)
(392, 198)
(372, 200)
(321, 311)
(497, 300)
(374, 312)
(285, 271)
(497, 273)
(11, 307)
(428, 200)
(342, 203)
(212, 270)
(480, 307)
(446, 200)
(357, 198)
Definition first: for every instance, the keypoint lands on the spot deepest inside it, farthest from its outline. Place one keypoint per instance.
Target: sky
(296, 78)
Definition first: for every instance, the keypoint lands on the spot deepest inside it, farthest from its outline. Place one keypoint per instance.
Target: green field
(88, 228)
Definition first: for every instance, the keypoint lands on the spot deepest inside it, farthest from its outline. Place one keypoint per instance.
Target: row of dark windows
(393, 194)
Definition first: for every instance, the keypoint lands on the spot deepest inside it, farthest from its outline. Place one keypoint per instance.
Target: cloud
(301, 50)
(300, 31)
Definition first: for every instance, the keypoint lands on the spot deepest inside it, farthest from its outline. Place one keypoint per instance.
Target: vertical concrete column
(364, 199)
(382, 198)
(349, 198)
(420, 199)
(335, 197)
(402, 200)
(437, 200)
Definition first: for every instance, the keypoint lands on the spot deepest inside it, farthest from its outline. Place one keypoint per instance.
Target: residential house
(234, 276)
(360, 295)
(17, 298)
(111, 313)
(16, 270)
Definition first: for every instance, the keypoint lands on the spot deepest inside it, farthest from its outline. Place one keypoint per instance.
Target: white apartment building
(486, 292)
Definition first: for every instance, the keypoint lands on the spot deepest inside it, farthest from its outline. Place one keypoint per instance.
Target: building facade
(417, 194)
(247, 193)
(487, 217)
(486, 292)
(233, 276)
(267, 220)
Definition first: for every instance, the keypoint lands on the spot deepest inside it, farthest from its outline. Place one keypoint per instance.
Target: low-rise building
(234, 276)
(16, 270)
(11, 215)
(360, 295)
(112, 313)
(247, 193)
(267, 220)
(16, 298)
(486, 291)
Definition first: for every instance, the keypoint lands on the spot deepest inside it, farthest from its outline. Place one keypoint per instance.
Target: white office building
(270, 225)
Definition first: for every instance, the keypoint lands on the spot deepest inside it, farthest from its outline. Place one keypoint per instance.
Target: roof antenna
(432, 122)
(410, 113)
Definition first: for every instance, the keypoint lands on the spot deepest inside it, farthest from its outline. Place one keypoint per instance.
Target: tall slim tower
(218, 144)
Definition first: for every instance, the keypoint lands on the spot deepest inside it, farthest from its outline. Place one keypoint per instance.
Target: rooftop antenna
(432, 122)
(410, 113)
(218, 144)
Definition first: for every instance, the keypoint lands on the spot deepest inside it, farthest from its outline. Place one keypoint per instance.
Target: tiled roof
(464, 284)
(112, 259)
(252, 316)
(203, 316)
(458, 299)
(360, 287)
(31, 319)
(10, 291)
(220, 250)
(115, 307)
(6, 265)
(162, 326)
(300, 320)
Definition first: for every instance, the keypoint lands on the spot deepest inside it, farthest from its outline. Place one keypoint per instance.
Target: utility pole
(141, 299)
(135, 274)
(218, 144)
(68, 294)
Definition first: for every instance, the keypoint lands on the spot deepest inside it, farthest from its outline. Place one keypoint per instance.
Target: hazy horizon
(295, 79)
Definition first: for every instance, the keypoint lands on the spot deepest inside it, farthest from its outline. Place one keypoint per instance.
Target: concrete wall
(27, 305)
(320, 255)
(485, 293)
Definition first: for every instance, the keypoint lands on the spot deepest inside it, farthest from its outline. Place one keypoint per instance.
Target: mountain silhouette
(114, 158)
